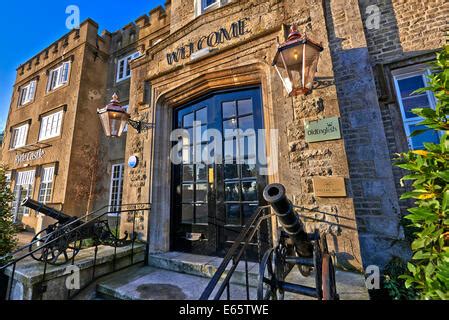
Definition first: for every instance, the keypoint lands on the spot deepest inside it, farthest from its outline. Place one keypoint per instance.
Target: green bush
(8, 231)
(428, 271)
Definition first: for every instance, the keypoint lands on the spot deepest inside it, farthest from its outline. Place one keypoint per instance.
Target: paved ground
(160, 283)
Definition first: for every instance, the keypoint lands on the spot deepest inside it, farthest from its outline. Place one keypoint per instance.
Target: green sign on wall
(323, 130)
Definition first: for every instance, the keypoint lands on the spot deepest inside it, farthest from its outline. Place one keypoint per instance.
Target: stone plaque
(323, 130)
(329, 187)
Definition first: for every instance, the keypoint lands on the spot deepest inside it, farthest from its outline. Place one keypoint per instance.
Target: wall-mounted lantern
(114, 119)
(296, 62)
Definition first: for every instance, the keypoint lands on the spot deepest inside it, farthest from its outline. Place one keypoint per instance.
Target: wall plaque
(323, 130)
(329, 187)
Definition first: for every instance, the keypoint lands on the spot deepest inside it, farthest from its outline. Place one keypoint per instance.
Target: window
(8, 178)
(116, 192)
(19, 136)
(50, 126)
(202, 6)
(407, 81)
(46, 187)
(58, 77)
(123, 67)
(209, 3)
(23, 189)
(27, 93)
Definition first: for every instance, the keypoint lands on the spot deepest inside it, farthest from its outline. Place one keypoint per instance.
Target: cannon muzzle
(275, 195)
(61, 217)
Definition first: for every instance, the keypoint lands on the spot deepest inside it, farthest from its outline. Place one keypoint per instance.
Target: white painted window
(27, 93)
(8, 176)
(201, 6)
(58, 77)
(46, 187)
(51, 126)
(19, 136)
(116, 191)
(23, 189)
(123, 67)
(407, 81)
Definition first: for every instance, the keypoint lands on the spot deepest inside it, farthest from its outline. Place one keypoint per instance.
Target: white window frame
(46, 185)
(19, 136)
(24, 182)
(51, 126)
(27, 93)
(8, 177)
(119, 180)
(59, 76)
(126, 67)
(201, 7)
(405, 73)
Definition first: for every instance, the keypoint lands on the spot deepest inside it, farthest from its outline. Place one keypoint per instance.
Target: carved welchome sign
(212, 40)
(30, 156)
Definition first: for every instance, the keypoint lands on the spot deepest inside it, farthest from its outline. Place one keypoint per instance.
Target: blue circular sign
(133, 161)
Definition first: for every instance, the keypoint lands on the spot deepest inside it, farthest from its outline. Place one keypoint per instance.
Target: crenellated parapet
(88, 32)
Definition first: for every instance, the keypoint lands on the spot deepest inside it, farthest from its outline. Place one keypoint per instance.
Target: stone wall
(242, 61)
(375, 196)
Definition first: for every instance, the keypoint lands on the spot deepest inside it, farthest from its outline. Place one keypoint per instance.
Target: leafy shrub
(8, 231)
(428, 271)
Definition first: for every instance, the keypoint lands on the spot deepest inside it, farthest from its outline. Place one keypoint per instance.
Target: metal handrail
(137, 207)
(236, 255)
(27, 246)
(15, 261)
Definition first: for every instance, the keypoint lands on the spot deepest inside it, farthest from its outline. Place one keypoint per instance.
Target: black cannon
(296, 247)
(63, 240)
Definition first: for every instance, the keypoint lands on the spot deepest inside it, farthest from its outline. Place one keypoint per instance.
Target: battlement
(59, 47)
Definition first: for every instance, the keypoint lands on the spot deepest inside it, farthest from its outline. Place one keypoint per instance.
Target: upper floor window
(58, 77)
(19, 136)
(123, 67)
(51, 126)
(407, 81)
(209, 3)
(27, 93)
(46, 187)
(202, 6)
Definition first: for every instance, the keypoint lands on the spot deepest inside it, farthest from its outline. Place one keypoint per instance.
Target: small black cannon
(309, 252)
(63, 240)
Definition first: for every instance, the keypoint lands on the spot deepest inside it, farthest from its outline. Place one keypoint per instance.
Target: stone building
(212, 61)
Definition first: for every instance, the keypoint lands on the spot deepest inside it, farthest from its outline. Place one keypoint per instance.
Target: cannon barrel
(61, 217)
(275, 195)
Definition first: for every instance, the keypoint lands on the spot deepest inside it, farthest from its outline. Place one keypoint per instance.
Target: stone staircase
(181, 276)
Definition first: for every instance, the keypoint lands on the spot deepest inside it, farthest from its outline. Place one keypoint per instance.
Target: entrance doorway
(219, 185)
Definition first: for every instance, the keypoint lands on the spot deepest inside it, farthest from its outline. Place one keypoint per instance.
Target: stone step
(203, 266)
(350, 286)
(150, 283)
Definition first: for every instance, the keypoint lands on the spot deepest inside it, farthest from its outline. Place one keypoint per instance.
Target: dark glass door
(214, 199)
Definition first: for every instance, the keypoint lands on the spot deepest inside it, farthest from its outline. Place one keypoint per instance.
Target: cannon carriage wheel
(273, 271)
(58, 253)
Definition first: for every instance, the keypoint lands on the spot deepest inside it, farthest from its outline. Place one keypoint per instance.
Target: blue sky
(27, 27)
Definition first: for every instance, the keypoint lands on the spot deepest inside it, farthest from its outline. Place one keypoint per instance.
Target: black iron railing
(43, 246)
(221, 281)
